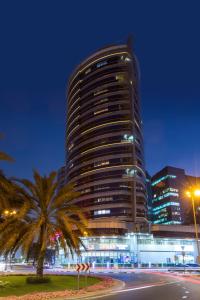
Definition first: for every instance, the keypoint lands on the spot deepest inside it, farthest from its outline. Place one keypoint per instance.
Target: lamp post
(192, 194)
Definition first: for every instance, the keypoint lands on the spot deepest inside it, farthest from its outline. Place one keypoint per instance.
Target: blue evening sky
(42, 41)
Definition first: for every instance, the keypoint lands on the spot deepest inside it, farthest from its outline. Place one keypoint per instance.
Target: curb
(118, 285)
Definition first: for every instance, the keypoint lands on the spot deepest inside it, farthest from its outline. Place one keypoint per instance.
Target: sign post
(78, 267)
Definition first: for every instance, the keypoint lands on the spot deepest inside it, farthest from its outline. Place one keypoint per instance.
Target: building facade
(104, 141)
(61, 177)
(170, 204)
(133, 250)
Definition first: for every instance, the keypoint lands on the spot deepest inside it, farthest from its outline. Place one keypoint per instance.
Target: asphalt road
(154, 286)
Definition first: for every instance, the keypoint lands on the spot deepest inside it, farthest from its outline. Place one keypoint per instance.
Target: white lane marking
(142, 287)
(128, 290)
(187, 292)
(184, 297)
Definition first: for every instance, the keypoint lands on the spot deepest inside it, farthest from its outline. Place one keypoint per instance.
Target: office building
(170, 204)
(61, 177)
(104, 141)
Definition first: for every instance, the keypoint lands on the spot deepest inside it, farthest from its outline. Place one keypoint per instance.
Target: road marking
(128, 290)
(184, 297)
(142, 287)
(187, 292)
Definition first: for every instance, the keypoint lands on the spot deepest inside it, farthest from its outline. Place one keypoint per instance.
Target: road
(147, 285)
(155, 286)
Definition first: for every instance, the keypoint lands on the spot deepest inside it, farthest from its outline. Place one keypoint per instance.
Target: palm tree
(47, 217)
(3, 155)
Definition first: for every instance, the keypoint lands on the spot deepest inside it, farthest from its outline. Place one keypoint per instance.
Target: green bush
(4, 284)
(37, 279)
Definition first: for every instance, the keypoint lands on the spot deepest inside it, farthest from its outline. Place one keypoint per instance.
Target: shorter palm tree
(3, 155)
(47, 217)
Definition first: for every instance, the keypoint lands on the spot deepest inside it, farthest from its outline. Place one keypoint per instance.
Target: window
(85, 191)
(101, 163)
(125, 58)
(100, 111)
(162, 178)
(165, 205)
(98, 92)
(71, 146)
(128, 137)
(120, 77)
(102, 212)
(87, 71)
(131, 172)
(104, 199)
(101, 64)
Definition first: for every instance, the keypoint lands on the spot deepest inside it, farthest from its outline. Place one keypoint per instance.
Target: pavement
(154, 285)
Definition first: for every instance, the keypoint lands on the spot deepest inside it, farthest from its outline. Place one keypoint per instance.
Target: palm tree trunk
(40, 264)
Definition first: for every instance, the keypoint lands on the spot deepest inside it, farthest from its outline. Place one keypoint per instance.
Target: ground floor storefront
(133, 250)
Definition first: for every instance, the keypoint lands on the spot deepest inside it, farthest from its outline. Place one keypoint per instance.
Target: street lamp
(9, 213)
(192, 193)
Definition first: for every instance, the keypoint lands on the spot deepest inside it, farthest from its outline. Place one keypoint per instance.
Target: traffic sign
(82, 267)
(78, 267)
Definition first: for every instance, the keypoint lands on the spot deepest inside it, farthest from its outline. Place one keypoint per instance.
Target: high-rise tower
(104, 142)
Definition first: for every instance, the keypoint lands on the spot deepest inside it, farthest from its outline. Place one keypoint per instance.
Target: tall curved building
(104, 142)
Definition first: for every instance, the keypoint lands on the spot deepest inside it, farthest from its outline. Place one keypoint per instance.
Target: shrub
(4, 284)
(37, 279)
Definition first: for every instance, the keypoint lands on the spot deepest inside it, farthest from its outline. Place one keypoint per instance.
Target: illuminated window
(87, 71)
(102, 63)
(171, 222)
(101, 163)
(128, 137)
(104, 199)
(71, 146)
(98, 92)
(85, 191)
(125, 58)
(102, 212)
(170, 190)
(131, 172)
(170, 194)
(100, 111)
(166, 205)
(103, 100)
(174, 213)
(120, 77)
(162, 178)
(159, 221)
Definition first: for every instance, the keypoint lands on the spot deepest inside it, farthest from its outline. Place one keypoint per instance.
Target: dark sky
(42, 41)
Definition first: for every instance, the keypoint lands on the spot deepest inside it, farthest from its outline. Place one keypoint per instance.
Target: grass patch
(17, 284)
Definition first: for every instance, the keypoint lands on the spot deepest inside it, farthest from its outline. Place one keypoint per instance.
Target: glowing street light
(192, 193)
(197, 193)
(9, 212)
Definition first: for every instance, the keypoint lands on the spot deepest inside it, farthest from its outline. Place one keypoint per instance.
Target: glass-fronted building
(104, 140)
(169, 204)
(134, 249)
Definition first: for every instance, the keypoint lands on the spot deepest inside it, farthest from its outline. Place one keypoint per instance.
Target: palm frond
(42, 213)
(6, 157)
